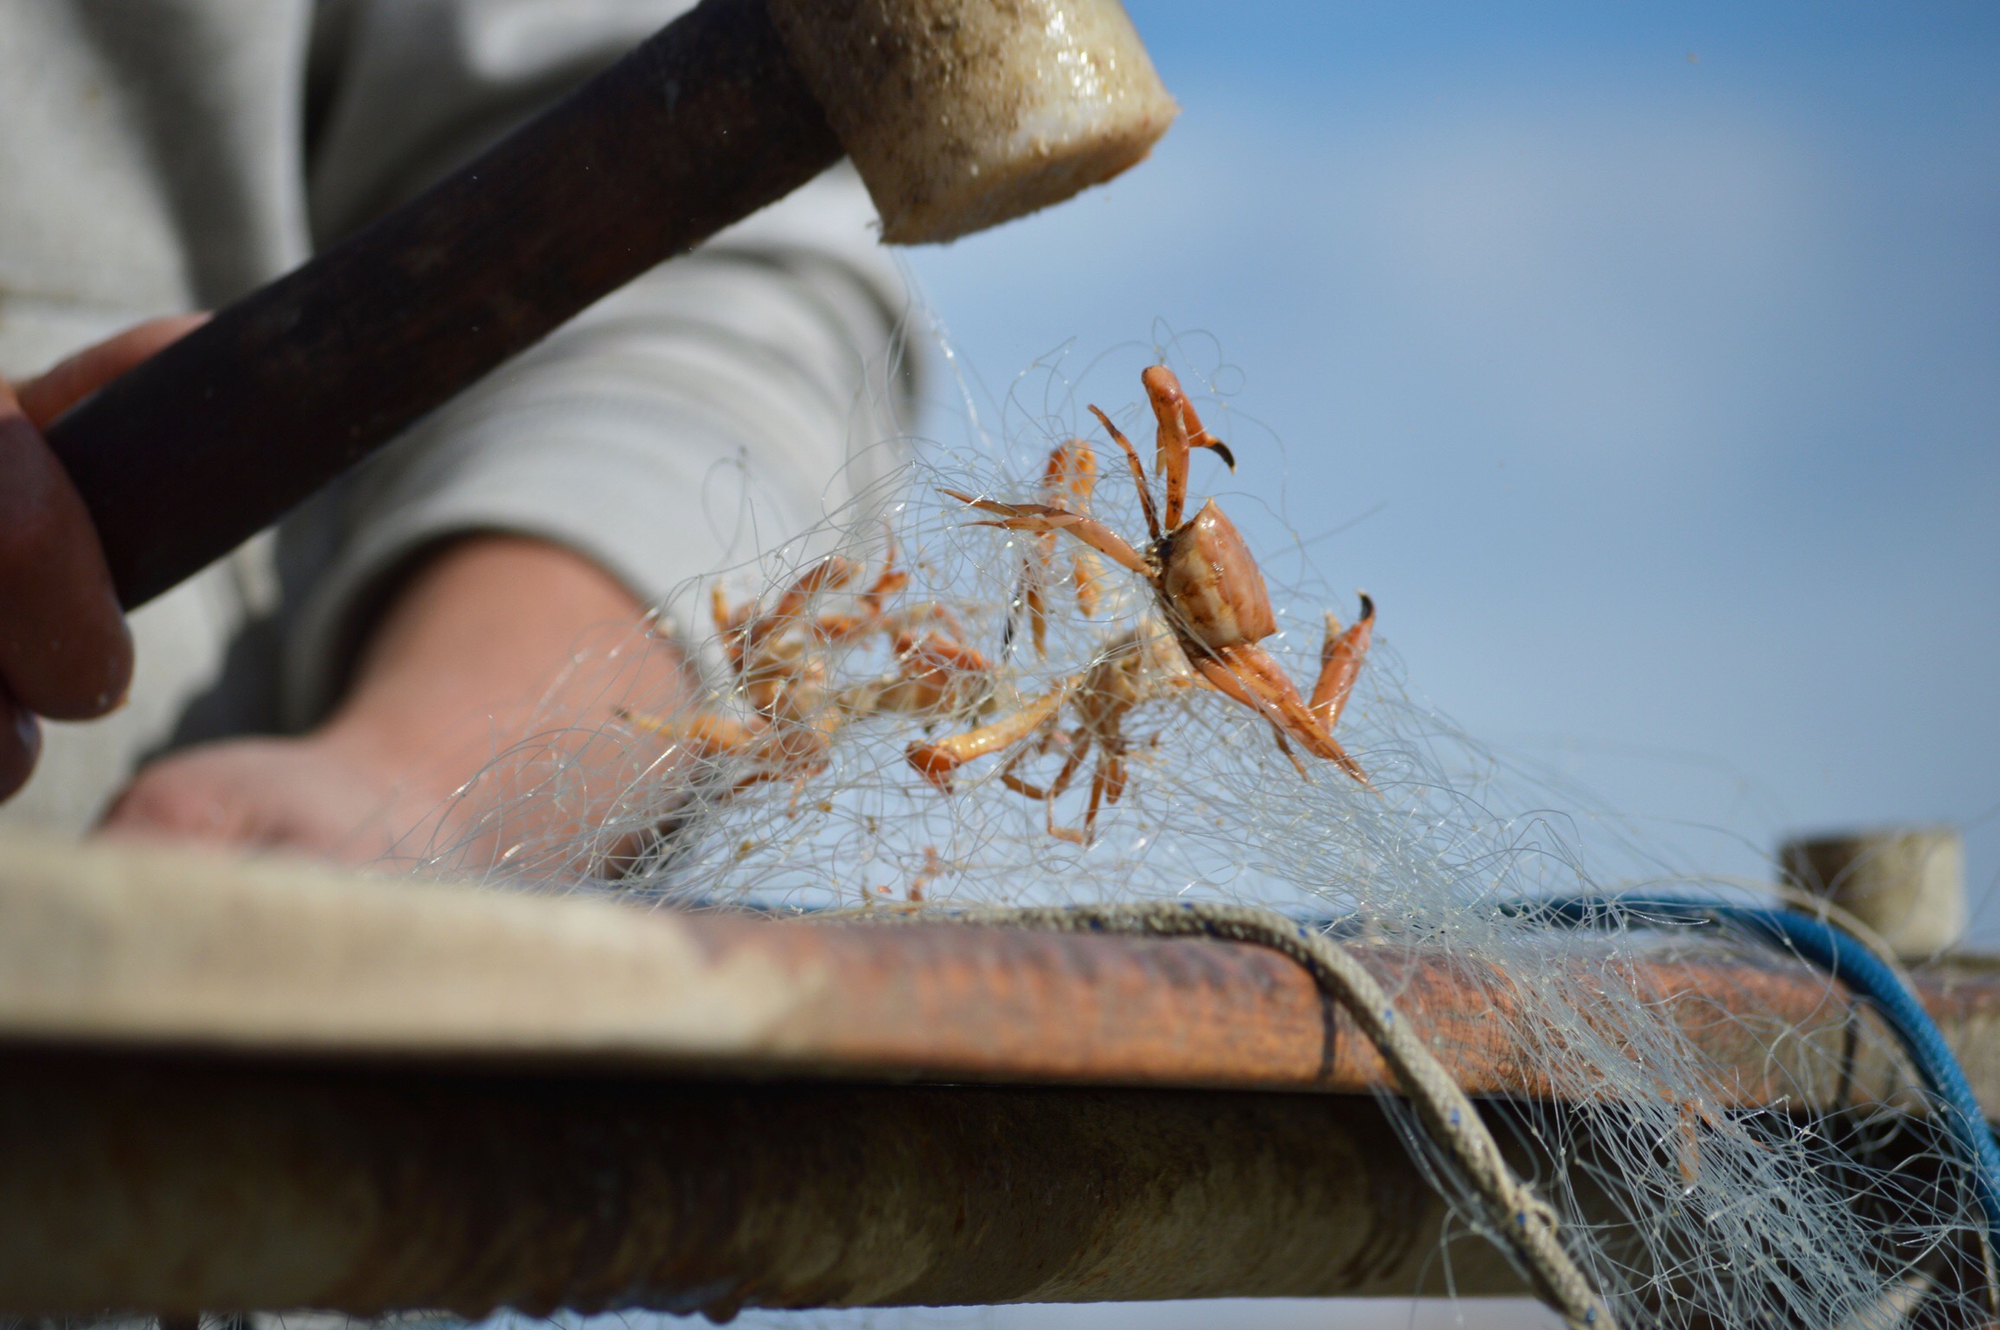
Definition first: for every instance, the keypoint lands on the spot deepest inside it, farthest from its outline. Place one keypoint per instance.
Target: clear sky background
(1643, 360)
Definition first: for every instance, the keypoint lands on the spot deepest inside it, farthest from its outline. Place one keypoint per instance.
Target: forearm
(487, 641)
(471, 644)
(494, 641)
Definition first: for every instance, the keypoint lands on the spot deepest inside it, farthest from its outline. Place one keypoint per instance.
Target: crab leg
(1138, 473)
(1114, 776)
(829, 572)
(1090, 577)
(937, 760)
(1035, 603)
(891, 581)
(1055, 788)
(729, 623)
(1071, 474)
(1089, 832)
(1047, 517)
(1170, 452)
(1171, 456)
(1079, 749)
(1340, 657)
(1246, 673)
(705, 737)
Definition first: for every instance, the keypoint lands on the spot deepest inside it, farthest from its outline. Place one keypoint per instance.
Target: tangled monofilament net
(1811, 1198)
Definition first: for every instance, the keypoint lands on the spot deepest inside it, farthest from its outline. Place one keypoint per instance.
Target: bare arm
(464, 656)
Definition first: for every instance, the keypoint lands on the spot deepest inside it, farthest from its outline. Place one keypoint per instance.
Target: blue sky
(1644, 364)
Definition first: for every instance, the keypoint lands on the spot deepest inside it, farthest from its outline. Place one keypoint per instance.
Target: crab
(1212, 607)
(783, 659)
(1138, 666)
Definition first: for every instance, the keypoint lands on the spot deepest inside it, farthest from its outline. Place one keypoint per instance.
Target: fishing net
(1719, 1151)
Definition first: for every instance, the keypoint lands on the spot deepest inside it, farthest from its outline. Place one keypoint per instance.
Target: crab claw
(1340, 657)
(1164, 390)
(936, 761)
(1180, 430)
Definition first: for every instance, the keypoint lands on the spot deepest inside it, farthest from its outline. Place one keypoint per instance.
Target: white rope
(1526, 1222)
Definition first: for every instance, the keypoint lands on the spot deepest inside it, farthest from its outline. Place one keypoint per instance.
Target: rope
(1522, 1220)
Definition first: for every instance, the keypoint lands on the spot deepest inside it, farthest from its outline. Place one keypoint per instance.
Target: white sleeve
(720, 405)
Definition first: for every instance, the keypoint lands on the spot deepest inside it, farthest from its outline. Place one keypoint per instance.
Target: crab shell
(1212, 583)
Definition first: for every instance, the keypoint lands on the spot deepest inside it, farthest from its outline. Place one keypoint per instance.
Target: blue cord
(1841, 956)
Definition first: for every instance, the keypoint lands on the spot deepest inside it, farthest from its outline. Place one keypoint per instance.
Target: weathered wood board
(234, 1085)
(121, 947)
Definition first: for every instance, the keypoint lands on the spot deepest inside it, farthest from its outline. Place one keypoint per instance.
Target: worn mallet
(959, 114)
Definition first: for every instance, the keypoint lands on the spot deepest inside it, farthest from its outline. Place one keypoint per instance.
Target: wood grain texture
(149, 949)
(215, 438)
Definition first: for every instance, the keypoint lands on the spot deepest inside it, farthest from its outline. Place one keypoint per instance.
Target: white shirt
(174, 154)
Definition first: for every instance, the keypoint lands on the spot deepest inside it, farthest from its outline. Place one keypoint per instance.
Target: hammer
(959, 114)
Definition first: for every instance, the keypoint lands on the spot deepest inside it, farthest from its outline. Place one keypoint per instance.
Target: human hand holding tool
(64, 649)
(959, 114)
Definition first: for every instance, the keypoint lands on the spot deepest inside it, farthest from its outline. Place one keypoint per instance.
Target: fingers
(64, 649)
(294, 795)
(182, 798)
(47, 397)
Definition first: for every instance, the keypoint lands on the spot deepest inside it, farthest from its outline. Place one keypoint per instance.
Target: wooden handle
(219, 435)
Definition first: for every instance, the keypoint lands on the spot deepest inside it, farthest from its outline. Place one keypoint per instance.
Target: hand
(484, 637)
(64, 649)
(314, 795)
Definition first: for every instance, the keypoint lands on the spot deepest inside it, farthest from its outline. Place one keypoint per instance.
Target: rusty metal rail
(173, 1187)
(233, 1085)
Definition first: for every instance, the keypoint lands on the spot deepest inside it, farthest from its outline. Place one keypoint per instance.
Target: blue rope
(1821, 944)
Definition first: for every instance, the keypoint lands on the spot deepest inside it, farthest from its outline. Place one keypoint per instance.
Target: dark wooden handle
(219, 435)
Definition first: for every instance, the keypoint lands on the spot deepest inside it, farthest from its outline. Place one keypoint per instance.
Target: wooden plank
(122, 947)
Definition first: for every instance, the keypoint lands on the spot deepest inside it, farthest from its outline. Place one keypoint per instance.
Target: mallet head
(961, 114)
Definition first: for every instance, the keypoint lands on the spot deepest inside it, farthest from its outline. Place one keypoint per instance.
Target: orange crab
(783, 662)
(1133, 669)
(1211, 599)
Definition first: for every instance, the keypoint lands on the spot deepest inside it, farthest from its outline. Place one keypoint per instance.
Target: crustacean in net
(1134, 668)
(1212, 611)
(783, 661)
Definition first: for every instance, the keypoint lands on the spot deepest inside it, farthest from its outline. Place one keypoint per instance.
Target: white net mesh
(1721, 1157)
